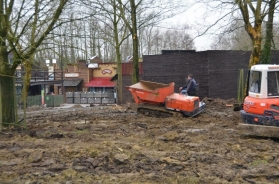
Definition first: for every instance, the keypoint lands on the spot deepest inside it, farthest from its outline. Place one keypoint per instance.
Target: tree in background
(142, 13)
(154, 39)
(233, 38)
(253, 14)
(253, 26)
(109, 16)
(266, 53)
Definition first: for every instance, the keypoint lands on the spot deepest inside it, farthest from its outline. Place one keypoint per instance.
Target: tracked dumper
(159, 100)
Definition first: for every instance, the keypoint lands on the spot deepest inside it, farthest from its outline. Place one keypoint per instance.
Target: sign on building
(71, 75)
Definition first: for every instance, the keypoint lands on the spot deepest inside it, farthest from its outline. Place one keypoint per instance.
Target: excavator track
(157, 111)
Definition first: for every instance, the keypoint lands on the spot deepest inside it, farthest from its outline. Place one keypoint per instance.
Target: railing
(40, 75)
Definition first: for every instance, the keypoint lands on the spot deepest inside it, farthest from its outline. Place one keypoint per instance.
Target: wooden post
(240, 94)
(1, 117)
(24, 100)
(15, 103)
(242, 85)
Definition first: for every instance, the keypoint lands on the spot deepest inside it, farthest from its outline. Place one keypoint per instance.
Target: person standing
(190, 87)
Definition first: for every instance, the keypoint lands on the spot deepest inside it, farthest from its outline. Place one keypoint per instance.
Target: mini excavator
(260, 111)
(159, 100)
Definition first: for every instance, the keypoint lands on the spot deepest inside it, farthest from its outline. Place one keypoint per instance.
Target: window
(101, 89)
(109, 89)
(255, 82)
(273, 83)
(96, 89)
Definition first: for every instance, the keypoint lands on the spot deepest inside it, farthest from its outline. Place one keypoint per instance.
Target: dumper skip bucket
(150, 92)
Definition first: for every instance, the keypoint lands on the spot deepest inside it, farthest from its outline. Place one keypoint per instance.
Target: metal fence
(90, 97)
(49, 100)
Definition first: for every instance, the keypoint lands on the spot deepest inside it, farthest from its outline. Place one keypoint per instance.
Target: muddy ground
(114, 144)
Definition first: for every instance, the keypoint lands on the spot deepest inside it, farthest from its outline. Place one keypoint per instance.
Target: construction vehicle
(159, 100)
(260, 111)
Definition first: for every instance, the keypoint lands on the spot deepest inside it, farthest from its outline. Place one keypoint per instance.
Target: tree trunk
(266, 53)
(119, 74)
(7, 96)
(256, 51)
(255, 34)
(7, 90)
(27, 69)
(135, 76)
(118, 55)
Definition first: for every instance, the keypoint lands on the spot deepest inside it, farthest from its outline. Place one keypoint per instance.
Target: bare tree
(131, 23)
(24, 26)
(252, 13)
(113, 34)
(233, 38)
(139, 14)
(154, 39)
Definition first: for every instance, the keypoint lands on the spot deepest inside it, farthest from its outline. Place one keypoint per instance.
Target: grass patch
(82, 131)
(258, 162)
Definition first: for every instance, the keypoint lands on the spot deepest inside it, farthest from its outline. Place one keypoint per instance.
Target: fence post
(1, 117)
(240, 92)
(15, 102)
(24, 100)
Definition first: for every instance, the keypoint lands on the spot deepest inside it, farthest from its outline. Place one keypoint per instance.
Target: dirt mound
(76, 106)
(218, 101)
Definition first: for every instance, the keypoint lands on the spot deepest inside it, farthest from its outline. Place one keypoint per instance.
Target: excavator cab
(260, 112)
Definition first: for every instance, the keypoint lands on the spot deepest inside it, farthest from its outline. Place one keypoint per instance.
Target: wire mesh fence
(49, 100)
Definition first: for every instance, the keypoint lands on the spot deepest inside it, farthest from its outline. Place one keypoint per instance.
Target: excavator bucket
(259, 130)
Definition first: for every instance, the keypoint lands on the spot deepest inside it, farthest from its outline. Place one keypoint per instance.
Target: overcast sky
(198, 20)
(199, 16)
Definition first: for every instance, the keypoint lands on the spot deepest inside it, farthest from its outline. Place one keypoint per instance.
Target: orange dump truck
(158, 99)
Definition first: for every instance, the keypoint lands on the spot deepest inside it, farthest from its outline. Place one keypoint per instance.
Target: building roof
(100, 82)
(71, 82)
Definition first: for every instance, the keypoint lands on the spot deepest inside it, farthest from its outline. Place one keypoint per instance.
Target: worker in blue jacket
(190, 87)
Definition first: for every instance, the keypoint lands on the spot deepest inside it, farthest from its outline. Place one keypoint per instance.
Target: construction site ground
(113, 144)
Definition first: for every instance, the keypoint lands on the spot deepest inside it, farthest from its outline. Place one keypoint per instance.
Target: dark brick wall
(126, 95)
(275, 57)
(174, 66)
(223, 72)
(216, 71)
